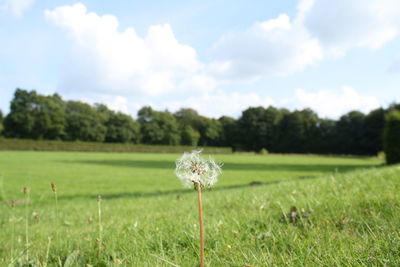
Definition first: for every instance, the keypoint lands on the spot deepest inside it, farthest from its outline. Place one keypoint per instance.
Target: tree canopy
(37, 116)
(158, 127)
(392, 137)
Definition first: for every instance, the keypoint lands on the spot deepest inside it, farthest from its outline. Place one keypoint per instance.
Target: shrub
(42, 145)
(263, 151)
(381, 155)
(392, 137)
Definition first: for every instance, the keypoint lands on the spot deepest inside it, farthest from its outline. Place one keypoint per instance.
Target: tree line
(279, 130)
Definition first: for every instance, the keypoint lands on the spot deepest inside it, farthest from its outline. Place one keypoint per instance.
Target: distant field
(348, 211)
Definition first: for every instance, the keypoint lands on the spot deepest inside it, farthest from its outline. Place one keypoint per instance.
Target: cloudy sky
(216, 56)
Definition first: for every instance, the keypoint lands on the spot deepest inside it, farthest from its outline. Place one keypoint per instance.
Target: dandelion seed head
(192, 168)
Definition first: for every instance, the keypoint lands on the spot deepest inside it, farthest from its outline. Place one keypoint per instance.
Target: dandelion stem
(100, 225)
(12, 229)
(26, 193)
(198, 189)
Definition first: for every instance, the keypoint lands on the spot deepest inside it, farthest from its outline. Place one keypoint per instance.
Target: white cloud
(277, 46)
(220, 103)
(210, 104)
(343, 24)
(124, 69)
(320, 29)
(333, 104)
(105, 59)
(116, 103)
(17, 7)
(325, 102)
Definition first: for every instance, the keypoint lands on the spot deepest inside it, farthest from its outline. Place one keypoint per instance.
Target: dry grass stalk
(100, 239)
(26, 194)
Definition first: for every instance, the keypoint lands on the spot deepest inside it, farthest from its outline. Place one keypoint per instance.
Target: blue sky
(218, 57)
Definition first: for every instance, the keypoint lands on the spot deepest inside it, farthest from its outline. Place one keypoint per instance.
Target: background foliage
(392, 137)
(39, 117)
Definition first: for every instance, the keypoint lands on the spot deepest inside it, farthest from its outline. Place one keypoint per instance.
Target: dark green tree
(253, 128)
(297, 131)
(374, 124)
(158, 127)
(210, 131)
(189, 122)
(350, 133)
(310, 122)
(84, 122)
(229, 133)
(104, 112)
(291, 133)
(188, 117)
(1, 123)
(392, 137)
(35, 116)
(189, 136)
(122, 128)
(324, 139)
(258, 128)
(394, 106)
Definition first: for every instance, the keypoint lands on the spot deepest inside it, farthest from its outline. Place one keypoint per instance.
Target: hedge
(39, 145)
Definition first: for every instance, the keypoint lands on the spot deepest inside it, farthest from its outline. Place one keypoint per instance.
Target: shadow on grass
(169, 165)
(178, 192)
(156, 164)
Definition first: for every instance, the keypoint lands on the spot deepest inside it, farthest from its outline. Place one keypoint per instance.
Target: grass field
(348, 211)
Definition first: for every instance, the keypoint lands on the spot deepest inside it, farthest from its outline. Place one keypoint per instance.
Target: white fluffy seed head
(192, 168)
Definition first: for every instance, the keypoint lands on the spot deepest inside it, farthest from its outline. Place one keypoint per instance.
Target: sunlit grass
(344, 216)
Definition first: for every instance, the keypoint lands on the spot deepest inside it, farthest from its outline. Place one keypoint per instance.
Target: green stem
(100, 225)
(57, 220)
(198, 189)
(12, 233)
(27, 225)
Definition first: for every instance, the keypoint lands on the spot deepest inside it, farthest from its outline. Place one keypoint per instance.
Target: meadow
(270, 210)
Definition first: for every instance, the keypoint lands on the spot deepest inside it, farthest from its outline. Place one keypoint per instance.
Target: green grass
(348, 211)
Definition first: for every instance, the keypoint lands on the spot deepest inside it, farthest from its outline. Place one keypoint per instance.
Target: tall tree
(392, 137)
(229, 133)
(323, 140)
(253, 129)
(291, 133)
(35, 116)
(189, 122)
(158, 127)
(374, 124)
(189, 136)
(122, 128)
(258, 127)
(188, 117)
(210, 132)
(349, 133)
(1, 122)
(84, 122)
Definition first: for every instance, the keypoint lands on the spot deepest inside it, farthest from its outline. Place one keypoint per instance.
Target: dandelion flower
(192, 168)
